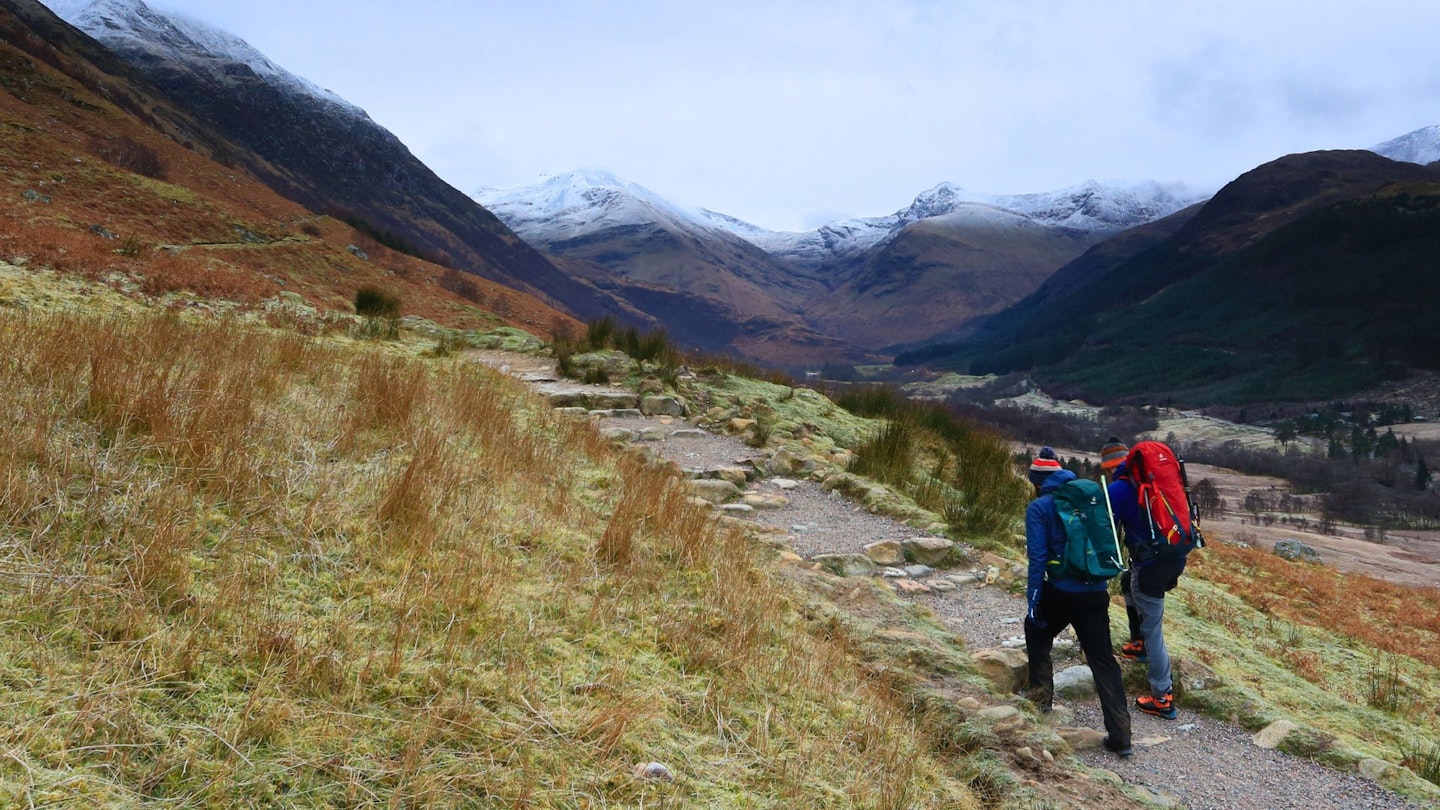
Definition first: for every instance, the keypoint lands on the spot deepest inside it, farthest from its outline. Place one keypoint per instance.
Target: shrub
(460, 284)
(1424, 760)
(888, 455)
(373, 302)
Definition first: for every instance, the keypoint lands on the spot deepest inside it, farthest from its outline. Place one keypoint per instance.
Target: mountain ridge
(1302, 275)
(967, 253)
(323, 153)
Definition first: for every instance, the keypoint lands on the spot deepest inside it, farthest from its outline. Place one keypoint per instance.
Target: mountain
(1421, 146)
(925, 271)
(316, 149)
(673, 266)
(1306, 278)
(1091, 207)
(113, 178)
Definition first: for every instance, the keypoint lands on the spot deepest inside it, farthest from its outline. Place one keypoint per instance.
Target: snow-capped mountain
(136, 28)
(583, 201)
(1421, 146)
(1089, 208)
(314, 147)
(949, 256)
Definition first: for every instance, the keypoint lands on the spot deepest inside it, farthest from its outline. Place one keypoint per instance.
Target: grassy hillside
(258, 565)
(252, 567)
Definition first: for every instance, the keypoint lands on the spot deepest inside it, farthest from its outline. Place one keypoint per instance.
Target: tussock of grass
(251, 569)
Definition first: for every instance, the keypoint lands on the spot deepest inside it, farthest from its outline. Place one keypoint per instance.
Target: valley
(326, 483)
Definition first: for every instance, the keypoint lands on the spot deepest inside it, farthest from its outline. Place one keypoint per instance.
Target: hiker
(1112, 458)
(1154, 569)
(1057, 599)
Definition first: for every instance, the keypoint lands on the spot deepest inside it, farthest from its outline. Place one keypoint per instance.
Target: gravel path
(1193, 761)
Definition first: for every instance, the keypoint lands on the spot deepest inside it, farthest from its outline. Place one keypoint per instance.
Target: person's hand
(1035, 619)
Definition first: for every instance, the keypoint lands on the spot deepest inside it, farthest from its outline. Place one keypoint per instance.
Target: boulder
(617, 434)
(1009, 670)
(761, 500)
(1081, 739)
(712, 489)
(569, 399)
(783, 462)
(934, 551)
(1075, 682)
(735, 475)
(611, 363)
(846, 565)
(1372, 768)
(611, 400)
(662, 406)
(997, 714)
(1273, 735)
(909, 587)
(1193, 676)
(885, 552)
(989, 560)
(1296, 551)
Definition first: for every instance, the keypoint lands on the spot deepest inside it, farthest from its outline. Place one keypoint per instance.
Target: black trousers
(1089, 614)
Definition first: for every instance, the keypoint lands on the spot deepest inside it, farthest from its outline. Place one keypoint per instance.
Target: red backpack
(1164, 493)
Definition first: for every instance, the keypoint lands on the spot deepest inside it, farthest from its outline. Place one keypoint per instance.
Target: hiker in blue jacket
(1145, 585)
(1055, 602)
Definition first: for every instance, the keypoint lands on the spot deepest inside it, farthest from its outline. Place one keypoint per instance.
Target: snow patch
(1421, 146)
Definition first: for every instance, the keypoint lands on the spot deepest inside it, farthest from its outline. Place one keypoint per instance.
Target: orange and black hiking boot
(1134, 651)
(1160, 707)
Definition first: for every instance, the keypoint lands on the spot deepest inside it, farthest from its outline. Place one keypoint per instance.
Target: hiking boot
(1160, 707)
(1121, 749)
(1134, 651)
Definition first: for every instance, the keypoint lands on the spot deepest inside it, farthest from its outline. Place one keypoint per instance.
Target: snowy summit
(133, 26)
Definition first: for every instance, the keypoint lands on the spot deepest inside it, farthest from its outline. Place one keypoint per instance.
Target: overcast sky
(791, 114)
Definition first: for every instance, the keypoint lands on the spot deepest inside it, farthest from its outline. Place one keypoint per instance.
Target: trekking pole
(1194, 510)
(1110, 513)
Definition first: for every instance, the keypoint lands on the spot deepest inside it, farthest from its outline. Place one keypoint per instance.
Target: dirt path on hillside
(1195, 761)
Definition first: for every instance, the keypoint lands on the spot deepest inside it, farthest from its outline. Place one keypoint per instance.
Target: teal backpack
(1092, 551)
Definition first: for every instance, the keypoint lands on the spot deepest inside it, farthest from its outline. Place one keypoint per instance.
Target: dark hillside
(333, 161)
(1301, 279)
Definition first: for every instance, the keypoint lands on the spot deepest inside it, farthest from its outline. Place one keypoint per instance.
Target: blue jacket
(1045, 541)
(1125, 505)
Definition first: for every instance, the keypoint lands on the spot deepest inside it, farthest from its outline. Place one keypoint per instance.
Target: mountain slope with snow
(950, 256)
(317, 149)
(139, 29)
(578, 202)
(1421, 146)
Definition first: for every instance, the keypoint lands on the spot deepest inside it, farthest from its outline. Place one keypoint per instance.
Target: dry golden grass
(1364, 608)
(249, 568)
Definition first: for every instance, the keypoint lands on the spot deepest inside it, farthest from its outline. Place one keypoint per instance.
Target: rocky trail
(1193, 761)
